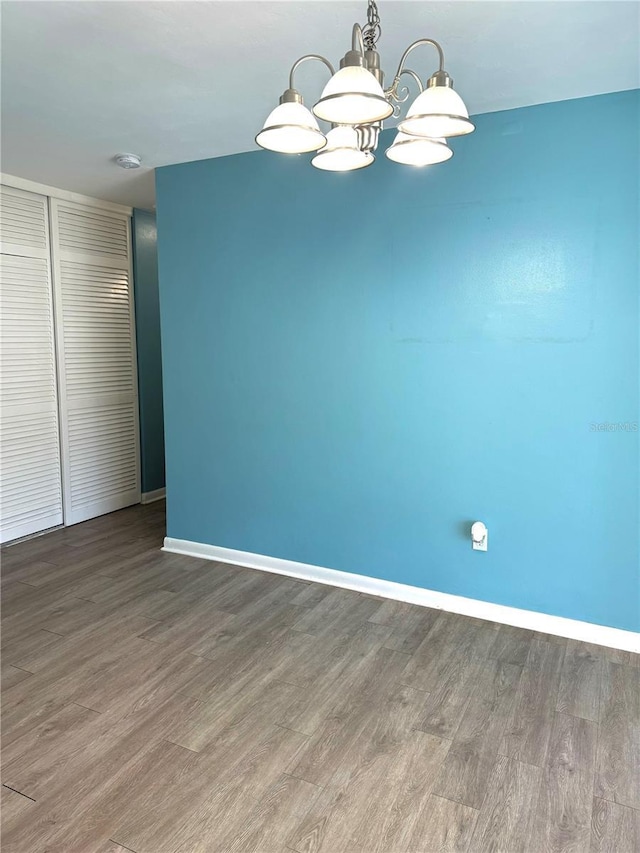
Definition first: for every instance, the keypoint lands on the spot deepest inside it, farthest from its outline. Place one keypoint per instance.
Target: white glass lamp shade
(291, 129)
(418, 150)
(341, 153)
(438, 111)
(353, 96)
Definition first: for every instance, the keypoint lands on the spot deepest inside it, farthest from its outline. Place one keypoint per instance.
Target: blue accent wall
(147, 309)
(357, 366)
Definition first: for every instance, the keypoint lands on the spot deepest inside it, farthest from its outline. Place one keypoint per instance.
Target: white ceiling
(178, 81)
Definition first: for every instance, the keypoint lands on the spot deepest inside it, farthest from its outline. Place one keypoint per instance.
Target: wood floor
(163, 704)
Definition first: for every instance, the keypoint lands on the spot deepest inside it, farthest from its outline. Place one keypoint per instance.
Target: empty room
(319, 426)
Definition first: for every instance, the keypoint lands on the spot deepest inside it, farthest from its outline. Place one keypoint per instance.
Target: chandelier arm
(302, 59)
(413, 74)
(400, 94)
(413, 46)
(357, 39)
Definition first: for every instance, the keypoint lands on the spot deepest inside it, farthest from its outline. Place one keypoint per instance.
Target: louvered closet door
(30, 475)
(96, 360)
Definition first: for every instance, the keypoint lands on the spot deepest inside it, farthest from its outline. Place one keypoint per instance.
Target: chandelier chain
(372, 30)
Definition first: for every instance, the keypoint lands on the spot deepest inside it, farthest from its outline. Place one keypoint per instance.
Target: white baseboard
(150, 497)
(601, 635)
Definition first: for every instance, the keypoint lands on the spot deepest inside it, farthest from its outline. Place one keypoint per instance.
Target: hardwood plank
(64, 678)
(251, 657)
(396, 812)
(93, 748)
(245, 588)
(550, 638)
(167, 769)
(21, 653)
(199, 633)
(268, 606)
(214, 803)
(85, 587)
(617, 655)
(239, 711)
(277, 814)
(124, 683)
(529, 729)
(67, 568)
(324, 752)
(326, 674)
(14, 805)
(605, 652)
(314, 662)
(12, 675)
(84, 788)
(41, 549)
(443, 826)
(33, 573)
(25, 712)
(311, 594)
(618, 772)
(71, 651)
(150, 578)
(464, 774)
(614, 828)
(453, 678)
(12, 594)
(70, 615)
(506, 819)
(340, 611)
(410, 624)
(375, 794)
(37, 742)
(579, 691)
(563, 819)
(511, 645)
(83, 822)
(452, 641)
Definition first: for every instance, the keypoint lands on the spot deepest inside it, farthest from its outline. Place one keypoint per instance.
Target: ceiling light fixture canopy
(355, 103)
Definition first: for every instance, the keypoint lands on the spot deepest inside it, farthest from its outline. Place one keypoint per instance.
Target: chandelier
(355, 104)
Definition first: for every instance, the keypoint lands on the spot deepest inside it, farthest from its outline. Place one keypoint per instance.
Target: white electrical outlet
(479, 536)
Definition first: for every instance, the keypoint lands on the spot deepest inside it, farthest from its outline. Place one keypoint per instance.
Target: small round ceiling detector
(128, 161)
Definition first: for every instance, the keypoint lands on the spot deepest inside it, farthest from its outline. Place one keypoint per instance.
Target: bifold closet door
(96, 359)
(30, 487)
